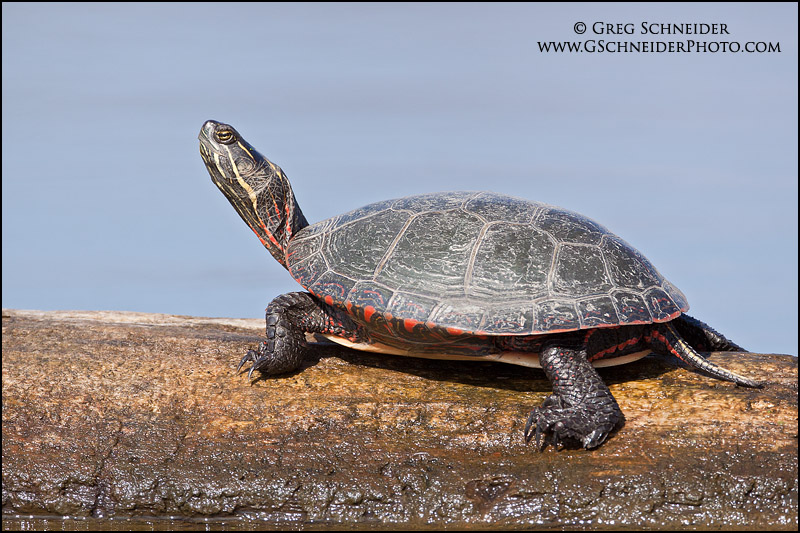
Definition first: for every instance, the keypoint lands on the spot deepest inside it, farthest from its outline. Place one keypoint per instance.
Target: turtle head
(256, 187)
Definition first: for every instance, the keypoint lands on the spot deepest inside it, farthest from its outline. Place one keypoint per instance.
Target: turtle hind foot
(571, 426)
(581, 412)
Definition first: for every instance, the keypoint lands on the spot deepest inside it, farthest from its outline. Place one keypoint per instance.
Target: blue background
(690, 157)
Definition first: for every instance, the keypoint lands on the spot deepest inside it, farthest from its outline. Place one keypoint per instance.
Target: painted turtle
(464, 275)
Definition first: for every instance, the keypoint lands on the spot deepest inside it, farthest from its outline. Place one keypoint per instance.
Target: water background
(690, 157)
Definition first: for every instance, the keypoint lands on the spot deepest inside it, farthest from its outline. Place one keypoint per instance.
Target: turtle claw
(532, 430)
(595, 438)
(256, 357)
(245, 359)
(564, 427)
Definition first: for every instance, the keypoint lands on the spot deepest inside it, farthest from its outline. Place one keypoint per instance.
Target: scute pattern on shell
(479, 263)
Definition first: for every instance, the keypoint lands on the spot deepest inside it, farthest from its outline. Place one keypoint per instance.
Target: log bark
(111, 414)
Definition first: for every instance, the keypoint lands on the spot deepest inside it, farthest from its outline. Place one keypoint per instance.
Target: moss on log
(110, 414)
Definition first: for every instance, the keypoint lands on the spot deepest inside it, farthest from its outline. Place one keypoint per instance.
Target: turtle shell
(478, 263)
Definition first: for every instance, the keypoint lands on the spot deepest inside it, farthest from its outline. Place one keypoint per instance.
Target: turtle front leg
(581, 409)
(286, 345)
(289, 317)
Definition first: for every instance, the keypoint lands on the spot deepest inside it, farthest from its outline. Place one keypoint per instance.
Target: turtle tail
(668, 338)
(703, 337)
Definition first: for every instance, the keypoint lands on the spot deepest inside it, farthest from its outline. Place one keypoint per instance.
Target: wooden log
(110, 414)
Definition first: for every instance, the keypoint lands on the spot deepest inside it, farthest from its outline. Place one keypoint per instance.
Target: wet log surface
(109, 414)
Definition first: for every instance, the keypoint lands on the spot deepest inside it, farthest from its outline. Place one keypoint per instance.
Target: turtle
(464, 275)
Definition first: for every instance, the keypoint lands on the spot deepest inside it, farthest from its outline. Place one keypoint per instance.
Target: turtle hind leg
(703, 337)
(581, 411)
(667, 339)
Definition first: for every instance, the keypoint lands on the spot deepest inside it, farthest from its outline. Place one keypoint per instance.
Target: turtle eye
(225, 136)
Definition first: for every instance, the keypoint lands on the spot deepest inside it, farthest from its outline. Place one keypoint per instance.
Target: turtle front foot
(571, 426)
(287, 318)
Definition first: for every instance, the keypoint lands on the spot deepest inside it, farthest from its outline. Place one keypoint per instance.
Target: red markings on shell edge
(368, 312)
(455, 331)
(632, 323)
(409, 324)
(329, 300)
